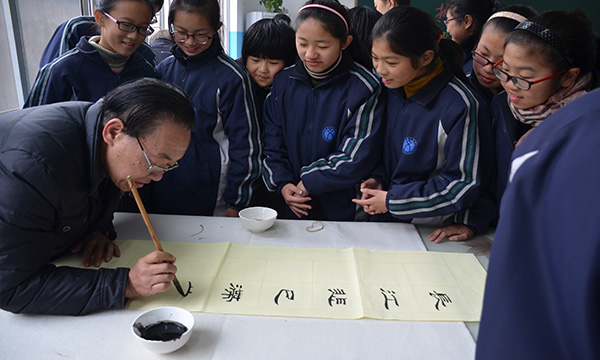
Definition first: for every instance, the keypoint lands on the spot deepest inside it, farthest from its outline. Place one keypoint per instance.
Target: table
(107, 334)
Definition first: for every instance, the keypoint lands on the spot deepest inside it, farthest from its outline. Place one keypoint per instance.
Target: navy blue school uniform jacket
(260, 94)
(82, 74)
(508, 131)
(329, 136)
(483, 213)
(222, 162)
(541, 295)
(67, 35)
(55, 192)
(467, 46)
(484, 93)
(437, 152)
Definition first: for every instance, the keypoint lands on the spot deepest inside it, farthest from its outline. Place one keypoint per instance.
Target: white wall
(25, 28)
(291, 6)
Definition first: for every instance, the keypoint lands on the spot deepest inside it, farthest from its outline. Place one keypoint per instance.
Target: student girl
(268, 46)
(464, 20)
(490, 48)
(323, 118)
(438, 137)
(484, 83)
(547, 63)
(67, 35)
(222, 163)
(100, 63)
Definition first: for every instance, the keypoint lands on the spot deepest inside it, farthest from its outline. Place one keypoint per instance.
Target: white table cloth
(107, 334)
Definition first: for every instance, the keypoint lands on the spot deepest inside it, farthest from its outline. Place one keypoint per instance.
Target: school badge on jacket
(409, 146)
(328, 133)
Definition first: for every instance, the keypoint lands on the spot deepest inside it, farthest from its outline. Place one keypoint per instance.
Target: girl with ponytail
(437, 138)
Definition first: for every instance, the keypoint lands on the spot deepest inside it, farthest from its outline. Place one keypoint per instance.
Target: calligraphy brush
(140, 205)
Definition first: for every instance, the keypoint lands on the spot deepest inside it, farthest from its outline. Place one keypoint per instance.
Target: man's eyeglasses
(454, 18)
(182, 37)
(480, 59)
(519, 81)
(128, 27)
(154, 168)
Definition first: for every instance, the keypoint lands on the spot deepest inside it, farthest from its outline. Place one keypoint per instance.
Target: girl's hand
(452, 232)
(372, 201)
(231, 212)
(302, 189)
(295, 197)
(369, 184)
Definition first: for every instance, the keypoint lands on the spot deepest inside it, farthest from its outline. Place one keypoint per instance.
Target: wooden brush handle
(140, 205)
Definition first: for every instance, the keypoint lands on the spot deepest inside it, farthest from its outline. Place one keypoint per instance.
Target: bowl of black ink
(164, 329)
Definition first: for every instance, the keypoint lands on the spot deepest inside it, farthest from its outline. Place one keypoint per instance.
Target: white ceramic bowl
(258, 218)
(154, 316)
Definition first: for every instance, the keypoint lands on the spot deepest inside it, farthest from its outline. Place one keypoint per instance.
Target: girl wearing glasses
(67, 35)
(464, 20)
(217, 175)
(489, 50)
(438, 139)
(547, 63)
(99, 63)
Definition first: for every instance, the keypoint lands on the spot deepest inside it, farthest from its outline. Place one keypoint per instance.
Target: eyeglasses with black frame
(155, 168)
(519, 82)
(128, 27)
(200, 39)
(480, 59)
(447, 21)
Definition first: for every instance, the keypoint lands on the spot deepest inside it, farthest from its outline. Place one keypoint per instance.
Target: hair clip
(545, 34)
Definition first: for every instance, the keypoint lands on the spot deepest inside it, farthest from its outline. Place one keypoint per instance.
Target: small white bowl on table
(157, 315)
(258, 218)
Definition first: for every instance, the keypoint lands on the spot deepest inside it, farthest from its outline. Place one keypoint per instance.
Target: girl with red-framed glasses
(547, 64)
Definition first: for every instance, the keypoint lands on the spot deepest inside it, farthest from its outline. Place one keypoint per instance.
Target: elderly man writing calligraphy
(63, 168)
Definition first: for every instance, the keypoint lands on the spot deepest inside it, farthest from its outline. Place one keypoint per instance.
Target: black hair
(480, 10)
(143, 104)
(210, 9)
(283, 17)
(575, 33)
(107, 6)
(270, 39)
(156, 4)
(336, 27)
(410, 32)
(363, 20)
(506, 25)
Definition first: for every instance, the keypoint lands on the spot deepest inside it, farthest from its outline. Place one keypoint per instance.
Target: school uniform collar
(135, 60)
(299, 72)
(429, 93)
(215, 49)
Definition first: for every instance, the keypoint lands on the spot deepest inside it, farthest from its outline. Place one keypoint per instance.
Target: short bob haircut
(270, 39)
